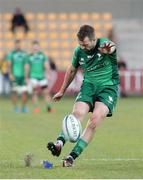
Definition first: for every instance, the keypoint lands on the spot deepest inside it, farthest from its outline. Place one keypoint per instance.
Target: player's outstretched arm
(69, 76)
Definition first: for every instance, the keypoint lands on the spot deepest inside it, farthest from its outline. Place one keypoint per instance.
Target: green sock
(79, 147)
(62, 137)
(48, 106)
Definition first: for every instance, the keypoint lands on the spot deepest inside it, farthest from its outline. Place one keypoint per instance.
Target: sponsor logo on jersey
(81, 61)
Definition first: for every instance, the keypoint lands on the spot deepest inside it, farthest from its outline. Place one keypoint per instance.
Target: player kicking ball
(99, 90)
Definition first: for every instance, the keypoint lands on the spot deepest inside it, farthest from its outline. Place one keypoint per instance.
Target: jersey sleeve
(75, 58)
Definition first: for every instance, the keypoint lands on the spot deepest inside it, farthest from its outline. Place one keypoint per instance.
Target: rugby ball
(71, 128)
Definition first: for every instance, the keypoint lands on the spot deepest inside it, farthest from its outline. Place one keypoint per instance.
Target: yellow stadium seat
(65, 44)
(97, 26)
(1, 54)
(52, 16)
(64, 35)
(63, 26)
(54, 44)
(95, 16)
(66, 54)
(9, 44)
(99, 34)
(52, 26)
(107, 26)
(42, 35)
(54, 54)
(53, 35)
(84, 16)
(74, 26)
(1, 35)
(30, 16)
(63, 16)
(73, 35)
(107, 16)
(7, 16)
(41, 26)
(74, 16)
(43, 44)
(31, 35)
(8, 35)
(66, 63)
(6, 25)
(74, 44)
(19, 35)
(41, 16)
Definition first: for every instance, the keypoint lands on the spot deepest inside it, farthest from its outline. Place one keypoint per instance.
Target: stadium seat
(43, 44)
(53, 35)
(41, 26)
(31, 35)
(64, 35)
(107, 26)
(66, 54)
(63, 16)
(84, 16)
(19, 35)
(9, 44)
(74, 16)
(54, 54)
(63, 26)
(41, 16)
(54, 44)
(95, 16)
(66, 63)
(52, 16)
(30, 16)
(52, 26)
(7, 16)
(1, 54)
(42, 35)
(99, 34)
(97, 26)
(65, 44)
(107, 16)
(74, 26)
(8, 35)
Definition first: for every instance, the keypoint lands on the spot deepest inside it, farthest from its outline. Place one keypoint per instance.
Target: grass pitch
(115, 152)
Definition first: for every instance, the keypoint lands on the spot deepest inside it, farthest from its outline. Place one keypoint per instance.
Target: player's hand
(58, 96)
(107, 48)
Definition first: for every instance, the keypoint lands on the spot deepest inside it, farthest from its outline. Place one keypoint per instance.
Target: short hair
(86, 31)
(35, 42)
(17, 41)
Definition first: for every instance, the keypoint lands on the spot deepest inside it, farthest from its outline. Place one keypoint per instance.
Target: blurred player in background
(36, 69)
(16, 62)
(99, 91)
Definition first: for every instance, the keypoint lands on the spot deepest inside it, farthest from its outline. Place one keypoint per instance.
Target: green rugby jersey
(99, 69)
(18, 60)
(36, 62)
